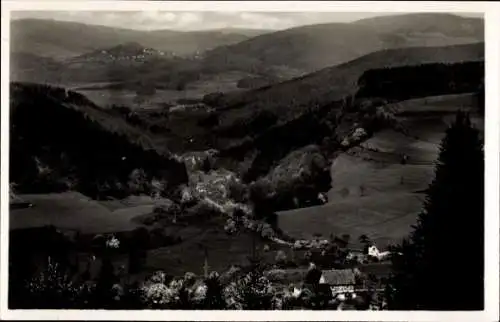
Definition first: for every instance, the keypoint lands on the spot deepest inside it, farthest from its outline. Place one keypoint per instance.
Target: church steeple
(205, 265)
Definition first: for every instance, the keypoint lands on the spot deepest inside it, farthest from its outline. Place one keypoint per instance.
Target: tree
(256, 291)
(362, 190)
(346, 238)
(143, 93)
(137, 181)
(280, 257)
(53, 288)
(480, 96)
(105, 282)
(429, 272)
(137, 252)
(214, 299)
(365, 240)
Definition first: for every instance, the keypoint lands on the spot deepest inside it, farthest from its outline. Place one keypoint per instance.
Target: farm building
(369, 252)
(341, 281)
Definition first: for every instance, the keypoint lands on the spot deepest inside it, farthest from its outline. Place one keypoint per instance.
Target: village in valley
(323, 165)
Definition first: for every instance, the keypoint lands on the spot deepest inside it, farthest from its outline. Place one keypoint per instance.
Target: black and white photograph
(245, 160)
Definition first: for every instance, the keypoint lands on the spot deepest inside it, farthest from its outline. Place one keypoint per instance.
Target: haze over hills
(61, 39)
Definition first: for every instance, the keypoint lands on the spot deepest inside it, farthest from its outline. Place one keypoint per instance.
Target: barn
(341, 281)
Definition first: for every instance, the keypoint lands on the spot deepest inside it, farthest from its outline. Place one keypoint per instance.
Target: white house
(374, 252)
(322, 197)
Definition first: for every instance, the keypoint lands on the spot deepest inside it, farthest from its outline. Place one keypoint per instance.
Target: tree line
(401, 83)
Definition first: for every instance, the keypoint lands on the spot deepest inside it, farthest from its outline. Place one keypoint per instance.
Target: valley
(217, 149)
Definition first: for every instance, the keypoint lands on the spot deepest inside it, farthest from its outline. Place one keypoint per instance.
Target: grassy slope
(58, 39)
(72, 210)
(387, 206)
(383, 219)
(223, 251)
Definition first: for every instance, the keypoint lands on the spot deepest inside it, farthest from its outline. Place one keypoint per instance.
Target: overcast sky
(151, 20)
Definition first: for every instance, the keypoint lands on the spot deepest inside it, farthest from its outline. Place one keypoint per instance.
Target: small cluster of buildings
(341, 283)
(370, 253)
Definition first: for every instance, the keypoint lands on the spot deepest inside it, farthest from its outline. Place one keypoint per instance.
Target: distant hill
(61, 39)
(291, 98)
(264, 57)
(127, 51)
(426, 24)
(313, 47)
(128, 64)
(33, 68)
(62, 141)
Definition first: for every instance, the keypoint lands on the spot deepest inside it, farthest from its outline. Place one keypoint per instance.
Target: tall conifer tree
(441, 264)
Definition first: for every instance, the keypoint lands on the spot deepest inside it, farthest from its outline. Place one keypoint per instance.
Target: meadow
(102, 95)
(72, 210)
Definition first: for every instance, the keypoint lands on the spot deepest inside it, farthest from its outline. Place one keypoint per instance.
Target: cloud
(266, 21)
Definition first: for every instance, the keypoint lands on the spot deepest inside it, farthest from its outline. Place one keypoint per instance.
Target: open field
(353, 177)
(385, 218)
(98, 93)
(223, 251)
(72, 210)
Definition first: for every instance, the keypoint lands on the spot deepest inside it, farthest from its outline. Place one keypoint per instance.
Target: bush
(209, 121)
(53, 288)
(238, 191)
(280, 257)
(212, 99)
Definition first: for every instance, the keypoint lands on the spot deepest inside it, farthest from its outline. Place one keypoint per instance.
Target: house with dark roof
(341, 281)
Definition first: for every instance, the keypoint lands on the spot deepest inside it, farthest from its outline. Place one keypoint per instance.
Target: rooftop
(339, 277)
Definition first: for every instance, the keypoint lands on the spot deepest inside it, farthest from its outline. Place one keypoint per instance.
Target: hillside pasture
(354, 177)
(72, 210)
(389, 146)
(385, 218)
(426, 119)
(375, 167)
(440, 103)
(376, 162)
